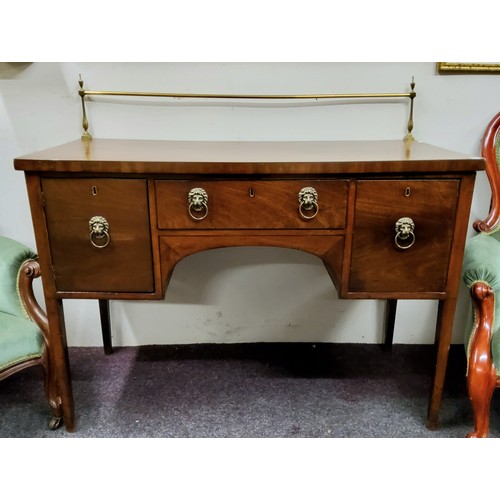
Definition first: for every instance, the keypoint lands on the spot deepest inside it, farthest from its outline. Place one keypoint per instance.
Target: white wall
(240, 295)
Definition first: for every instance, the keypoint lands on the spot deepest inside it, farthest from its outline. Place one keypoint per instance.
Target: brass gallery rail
(112, 93)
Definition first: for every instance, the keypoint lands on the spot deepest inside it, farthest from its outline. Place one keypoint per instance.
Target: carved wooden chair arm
(30, 270)
(481, 274)
(481, 265)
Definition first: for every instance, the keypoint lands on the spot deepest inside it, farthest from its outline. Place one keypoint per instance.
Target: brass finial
(85, 123)
(409, 136)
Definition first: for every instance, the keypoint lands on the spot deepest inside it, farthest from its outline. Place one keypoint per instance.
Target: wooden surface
(377, 266)
(251, 204)
(194, 157)
(125, 265)
(142, 188)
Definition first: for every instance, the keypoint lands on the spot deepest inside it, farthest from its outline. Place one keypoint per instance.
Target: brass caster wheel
(55, 423)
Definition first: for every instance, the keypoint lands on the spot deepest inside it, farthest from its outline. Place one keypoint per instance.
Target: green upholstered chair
(23, 324)
(481, 273)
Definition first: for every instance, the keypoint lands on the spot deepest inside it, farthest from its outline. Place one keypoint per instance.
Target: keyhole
(94, 190)
(251, 192)
(407, 192)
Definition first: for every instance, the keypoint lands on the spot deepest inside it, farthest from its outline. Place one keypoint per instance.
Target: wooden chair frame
(481, 371)
(29, 271)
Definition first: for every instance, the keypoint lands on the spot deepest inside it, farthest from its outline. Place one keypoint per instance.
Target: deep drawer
(377, 263)
(251, 205)
(86, 262)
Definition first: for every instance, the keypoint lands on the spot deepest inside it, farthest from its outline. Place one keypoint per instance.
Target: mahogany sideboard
(112, 218)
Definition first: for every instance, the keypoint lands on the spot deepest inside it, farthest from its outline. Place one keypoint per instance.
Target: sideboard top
(242, 157)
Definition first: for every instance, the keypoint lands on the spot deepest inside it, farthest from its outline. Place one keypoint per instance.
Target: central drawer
(247, 204)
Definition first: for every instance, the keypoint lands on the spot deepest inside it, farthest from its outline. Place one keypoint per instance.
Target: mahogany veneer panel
(251, 204)
(125, 265)
(377, 264)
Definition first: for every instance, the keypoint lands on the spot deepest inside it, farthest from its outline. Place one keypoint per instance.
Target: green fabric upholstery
(482, 264)
(482, 261)
(20, 338)
(12, 256)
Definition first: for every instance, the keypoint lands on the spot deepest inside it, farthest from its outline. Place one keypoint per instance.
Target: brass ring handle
(99, 230)
(308, 200)
(405, 235)
(198, 202)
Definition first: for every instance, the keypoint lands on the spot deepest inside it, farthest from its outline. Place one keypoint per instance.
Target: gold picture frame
(469, 68)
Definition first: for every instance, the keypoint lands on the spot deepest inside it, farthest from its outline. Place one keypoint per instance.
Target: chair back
(490, 150)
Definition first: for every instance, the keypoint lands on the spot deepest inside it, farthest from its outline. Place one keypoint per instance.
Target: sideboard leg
(105, 326)
(390, 320)
(58, 352)
(446, 312)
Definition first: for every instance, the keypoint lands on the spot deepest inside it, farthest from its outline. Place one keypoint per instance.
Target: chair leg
(50, 386)
(390, 320)
(481, 373)
(105, 326)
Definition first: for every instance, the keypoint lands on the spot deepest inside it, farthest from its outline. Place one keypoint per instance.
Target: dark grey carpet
(249, 390)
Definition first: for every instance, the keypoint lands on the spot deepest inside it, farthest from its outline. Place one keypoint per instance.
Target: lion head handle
(198, 203)
(404, 228)
(197, 199)
(308, 198)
